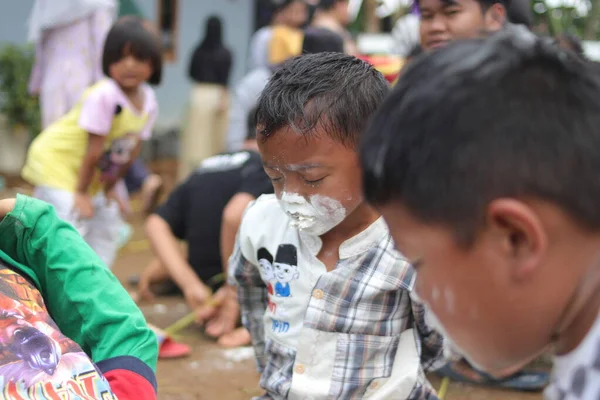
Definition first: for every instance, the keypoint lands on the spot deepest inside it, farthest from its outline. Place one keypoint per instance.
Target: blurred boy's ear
(521, 235)
(495, 17)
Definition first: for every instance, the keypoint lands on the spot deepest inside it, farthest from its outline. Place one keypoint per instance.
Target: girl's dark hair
(213, 37)
(130, 34)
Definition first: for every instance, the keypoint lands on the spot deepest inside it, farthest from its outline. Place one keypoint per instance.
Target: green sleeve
(84, 298)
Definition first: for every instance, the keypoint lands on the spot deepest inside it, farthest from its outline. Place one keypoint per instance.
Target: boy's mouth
(301, 217)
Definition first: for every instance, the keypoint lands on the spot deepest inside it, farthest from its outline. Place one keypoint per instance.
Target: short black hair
(506, 116)
(251, 125)
(144, 45)
(336, 91)
(321, 40)
(484, 4)
(328, 4)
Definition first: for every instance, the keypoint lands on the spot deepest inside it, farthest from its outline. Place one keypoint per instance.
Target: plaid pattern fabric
(365, 302)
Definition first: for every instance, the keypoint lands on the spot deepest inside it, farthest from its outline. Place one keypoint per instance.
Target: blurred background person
(248, 90)
(69, 37)
(285, 13)
(209, 69)
(334, 15)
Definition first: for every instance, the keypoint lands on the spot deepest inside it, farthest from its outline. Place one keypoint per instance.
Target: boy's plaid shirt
(356, 332)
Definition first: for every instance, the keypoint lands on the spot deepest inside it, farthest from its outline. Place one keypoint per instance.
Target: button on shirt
(349, 333)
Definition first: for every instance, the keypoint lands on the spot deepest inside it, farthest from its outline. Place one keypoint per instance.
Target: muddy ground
(211, 372)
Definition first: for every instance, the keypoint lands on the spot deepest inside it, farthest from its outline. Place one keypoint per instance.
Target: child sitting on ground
(69, 329)
(340, 322)
(485, 163)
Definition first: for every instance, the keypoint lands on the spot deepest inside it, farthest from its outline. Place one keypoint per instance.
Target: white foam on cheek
(435, 294)
(449, 299)
(326, 206)
(302, 215)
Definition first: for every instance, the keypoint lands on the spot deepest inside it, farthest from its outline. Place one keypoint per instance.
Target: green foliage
(19, 108)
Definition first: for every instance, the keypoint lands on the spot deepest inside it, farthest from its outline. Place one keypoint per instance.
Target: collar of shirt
(353, 246)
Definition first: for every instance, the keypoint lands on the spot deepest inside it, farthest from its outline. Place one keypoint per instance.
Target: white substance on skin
(317, 216)
(449, 300)
(435, 294)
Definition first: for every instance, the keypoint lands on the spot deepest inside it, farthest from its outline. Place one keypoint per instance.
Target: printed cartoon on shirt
(118, 155)
(286, 269)
(265, 260)
(36, 360)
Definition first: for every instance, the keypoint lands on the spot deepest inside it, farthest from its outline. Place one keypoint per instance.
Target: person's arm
(230, 224)
(85, 299)
(37, 71)
(96, 117)
(255, 182)
(95, 149)
(163, 229)
(166, 247)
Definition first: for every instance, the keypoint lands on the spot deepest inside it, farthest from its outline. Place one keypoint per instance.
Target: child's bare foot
(151, 190)
(236, 338)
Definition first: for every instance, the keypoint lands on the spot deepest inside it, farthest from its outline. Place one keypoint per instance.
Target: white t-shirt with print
(576, 376)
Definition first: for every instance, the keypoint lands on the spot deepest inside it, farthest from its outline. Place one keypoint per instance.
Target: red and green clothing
(66, 323)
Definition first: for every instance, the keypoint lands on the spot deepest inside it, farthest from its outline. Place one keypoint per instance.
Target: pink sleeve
(98, 110)
(35, 79)
(146, 133)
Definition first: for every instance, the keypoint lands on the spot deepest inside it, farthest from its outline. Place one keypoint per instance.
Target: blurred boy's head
(484, 161)
(321, 40)
(338, 9)
(443, 21)
(309, 121)
(293, 13)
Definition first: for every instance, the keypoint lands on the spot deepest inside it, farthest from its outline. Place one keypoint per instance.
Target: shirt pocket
(276, 377)
(375, 367)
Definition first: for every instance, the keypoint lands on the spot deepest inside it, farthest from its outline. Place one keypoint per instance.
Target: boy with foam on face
(340, 322)
(484, 162)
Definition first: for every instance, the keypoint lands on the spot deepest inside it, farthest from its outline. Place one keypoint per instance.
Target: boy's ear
(495, 17)
(522, 236)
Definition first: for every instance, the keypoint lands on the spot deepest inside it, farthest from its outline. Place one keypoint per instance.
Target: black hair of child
(322, 40)
(507, 116)
(143, 44)
(328, 4)
(484, 4)
(332, 91)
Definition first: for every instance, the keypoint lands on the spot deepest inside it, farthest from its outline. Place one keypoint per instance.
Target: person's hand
(84, 205)
(124, 207)
(222, 313)
(197, 295)
(6, 206)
